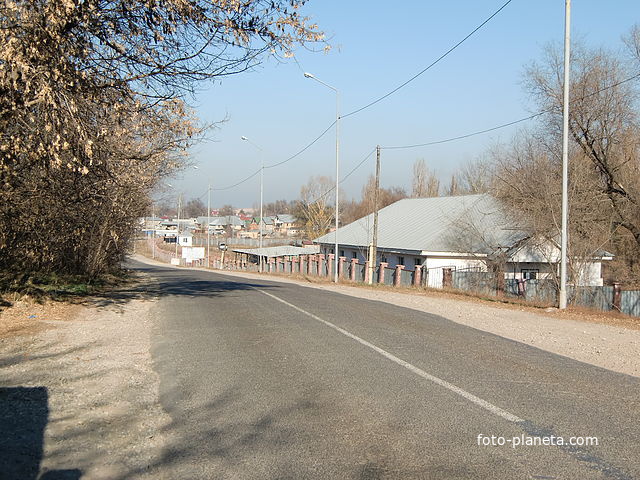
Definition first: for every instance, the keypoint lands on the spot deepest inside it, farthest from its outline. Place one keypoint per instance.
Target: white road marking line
(443, 383)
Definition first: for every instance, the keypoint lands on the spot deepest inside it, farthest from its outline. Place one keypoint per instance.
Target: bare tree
(528, 184)
(453, 188)
(354, 210)
(604, 128)
(92, 113)
(474, 177)
(315, 209)
(226, 210)
(425, 182)
(194, 208)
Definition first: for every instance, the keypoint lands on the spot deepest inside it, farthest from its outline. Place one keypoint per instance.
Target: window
(530, 274)
(354, 255)
(342, 253)
(383, 259)
(417, 261)
(400, 260)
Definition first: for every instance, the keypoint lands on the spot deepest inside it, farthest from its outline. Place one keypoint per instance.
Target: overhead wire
(508, 124)
(425, 144)
(237, 183)
(371, 103)
(300, 152)
(431, 65)
(460, 137)
(353, 170)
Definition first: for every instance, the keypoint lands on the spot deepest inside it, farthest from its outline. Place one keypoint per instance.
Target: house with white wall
(459, 232)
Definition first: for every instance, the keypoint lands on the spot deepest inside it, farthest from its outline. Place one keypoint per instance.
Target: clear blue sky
(375, 49)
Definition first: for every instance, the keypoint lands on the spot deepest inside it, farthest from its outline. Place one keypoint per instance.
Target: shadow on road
(24, 414)
(153, 282)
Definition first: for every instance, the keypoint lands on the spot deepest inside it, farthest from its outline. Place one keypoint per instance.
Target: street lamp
(261, 195)
(335, 257)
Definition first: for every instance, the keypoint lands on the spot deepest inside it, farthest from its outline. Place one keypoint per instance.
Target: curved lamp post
(335, 257)
(260, 267)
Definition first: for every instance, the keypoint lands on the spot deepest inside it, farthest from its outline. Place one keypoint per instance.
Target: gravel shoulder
(606, 341)
(78, 394)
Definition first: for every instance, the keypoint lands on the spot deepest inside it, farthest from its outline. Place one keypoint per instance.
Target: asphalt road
(265, 380)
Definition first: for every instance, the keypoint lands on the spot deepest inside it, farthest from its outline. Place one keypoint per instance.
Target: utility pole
(562, 300)
(153, 236)
(373, 253)
(209, 226)
(178, 227)
(260, 263)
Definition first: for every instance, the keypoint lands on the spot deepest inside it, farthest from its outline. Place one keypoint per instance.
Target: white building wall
(185, 241)
(514, 270)
(457, 263)
(590, 274)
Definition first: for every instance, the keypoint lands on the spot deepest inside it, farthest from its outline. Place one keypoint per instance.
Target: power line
(238, 183)
(460, 137)
(432, 64)
(504, 125)
(300, 152)
(358, 165)
(435, 142)
(346, 176)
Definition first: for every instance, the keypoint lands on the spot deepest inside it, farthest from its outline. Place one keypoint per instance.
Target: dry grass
(28, 316)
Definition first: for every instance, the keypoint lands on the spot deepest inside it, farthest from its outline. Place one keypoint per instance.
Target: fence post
(617, 296)
(294, 262)
(320, 261)
(341, 267)
(330, 256)
(500, 283)
(383, 265)
(396, 281)
(366, 271)
(417, 276)
(352, 273)
(447, 278)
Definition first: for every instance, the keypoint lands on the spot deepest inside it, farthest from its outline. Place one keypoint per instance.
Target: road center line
(421, 373)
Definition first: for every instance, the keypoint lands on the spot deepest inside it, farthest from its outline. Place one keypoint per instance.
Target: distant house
(150, 223)
(219, 225)
(268, 224)
(285, 224)
(185, 239)
(460, 232)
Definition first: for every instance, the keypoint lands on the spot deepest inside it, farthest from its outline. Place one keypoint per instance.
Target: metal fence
(470, 280)
(630, 303)
(546, 292)
(406, 277)
(244, 242)
(600, 298)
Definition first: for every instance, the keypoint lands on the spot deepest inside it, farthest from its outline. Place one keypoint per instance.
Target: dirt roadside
(611, 342)
(78, 394)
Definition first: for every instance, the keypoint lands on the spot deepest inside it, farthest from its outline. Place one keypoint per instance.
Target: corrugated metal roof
(286, 218)
(221, 221)
(469, 224)
(281, 251)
